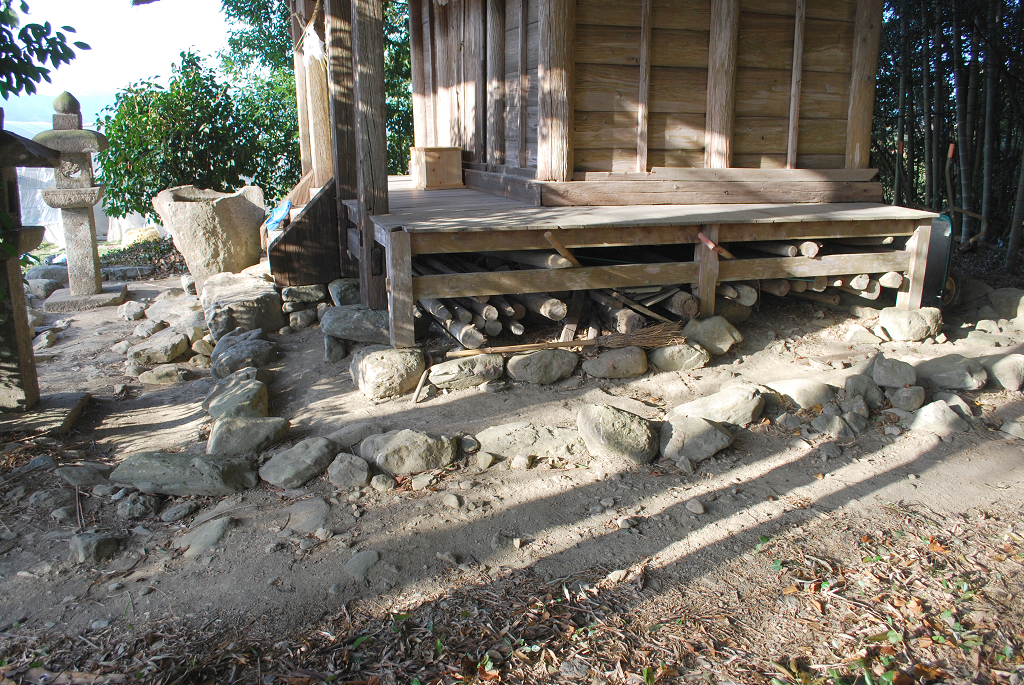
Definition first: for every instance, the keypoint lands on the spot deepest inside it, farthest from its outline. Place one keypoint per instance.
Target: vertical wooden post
(371, 142)
(721, 105)
(866, 36)
(911, 292)
(431, 44)
(474, 86)
(495, 81)
(707, 277)
(796, 84)
(645, 86)
(555, 92)
(524, 83)
(419, 82)
(338, 30)
(400, 303)
(298, 24)
(456, 8)
(319, 114)
(443, 65)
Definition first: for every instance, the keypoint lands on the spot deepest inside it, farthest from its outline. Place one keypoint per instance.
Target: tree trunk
(991, 83)
(1013, 248)
(901, 117)
(926, 109)
(941, 100)
(963, 132)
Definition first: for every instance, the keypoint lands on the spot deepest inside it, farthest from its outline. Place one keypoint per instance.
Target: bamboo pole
(543, 304)
(779, 287)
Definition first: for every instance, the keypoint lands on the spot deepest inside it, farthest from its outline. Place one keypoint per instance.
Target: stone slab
(113, 295)
(53, 415)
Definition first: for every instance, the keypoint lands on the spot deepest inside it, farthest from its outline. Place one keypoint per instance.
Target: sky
(128, 44)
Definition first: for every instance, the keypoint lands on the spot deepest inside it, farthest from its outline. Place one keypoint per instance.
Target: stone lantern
(19, 385)
(75, 195)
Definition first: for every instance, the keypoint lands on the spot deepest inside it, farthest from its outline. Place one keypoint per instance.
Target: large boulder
(244, 399)
(233, 301)
(625, 362)
(294, 467)
(714, 334)
(239, 350)
(911, 324)
(1007, 370)
(351, 434)
(358, 323)
(1008, 302)
(215, 232)
(683, 357)
(159, 348)
(953, 372)
(406, 452)
(344, 291)
(467, 372)
(939, 419)
(513, 440)
(611, 432)
(246, 436)
(234, 380)
(50, 272)
(171, 310)
(542, 367)
(689, 440)
(379, 371)
(892, 373)
(739, 404)
(181, 475)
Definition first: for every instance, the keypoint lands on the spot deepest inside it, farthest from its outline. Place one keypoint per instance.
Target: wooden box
(434, 168)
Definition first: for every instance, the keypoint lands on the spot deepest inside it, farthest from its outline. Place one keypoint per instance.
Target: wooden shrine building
(661, 128)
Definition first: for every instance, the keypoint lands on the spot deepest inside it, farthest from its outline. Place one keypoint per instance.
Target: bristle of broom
(660, 335)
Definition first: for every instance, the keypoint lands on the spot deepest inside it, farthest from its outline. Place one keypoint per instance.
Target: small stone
(205, 538)
(348, 470)
(939, 419)
(121, 347)
(344, 291)
(179, 511)
(422, 481)
(694, 506)
(624, 523)
(407, 452)
(244, 436)
(114, 587)
(244, 399)
(892, 373)
(469, 444)
(360, 564)
(864, 386)
(148, 328)
(484, 460)
(957, 404)
(100, 624)
(803, 393)
(81, 476)
(892, 430)
(856, 405)
(625, 362)
(62, 513)
(44, 340)
(907, 399)
(93, 548)
(131, 311)
(714, 334)
(830, 450)
(350, 435)
(138, 506)
(295, 466)
(357, 323)
(859, 335)
(380, 372)
(1007, 371)
(382, 482)
(739, 404)
(788, 421)
(833, 426)
(335, 349)
(689, 440)
(334, 589)
(467, 372)
(303, 319)
(611, 432)
(682, 357)
(910, 324)
(165, 374)
(453, 501)
(202, 347)
(304, 293)
(522, 462)
(51, 499)
(105, 490)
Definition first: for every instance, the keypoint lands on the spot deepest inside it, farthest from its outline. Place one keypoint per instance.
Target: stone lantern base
(112, 295)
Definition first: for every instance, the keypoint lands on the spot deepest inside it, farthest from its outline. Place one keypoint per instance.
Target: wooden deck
(465, 220)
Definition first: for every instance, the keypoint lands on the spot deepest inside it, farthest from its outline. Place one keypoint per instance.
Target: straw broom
(649, 338)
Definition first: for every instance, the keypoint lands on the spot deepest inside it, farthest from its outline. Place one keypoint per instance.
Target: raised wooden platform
(465, 220)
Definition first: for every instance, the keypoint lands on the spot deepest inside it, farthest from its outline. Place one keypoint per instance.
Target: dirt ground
(525, 536)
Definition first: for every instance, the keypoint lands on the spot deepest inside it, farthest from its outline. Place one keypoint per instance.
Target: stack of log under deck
(472, 320)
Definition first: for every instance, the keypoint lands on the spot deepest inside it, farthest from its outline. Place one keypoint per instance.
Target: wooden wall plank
(676, 158)
(693, 15)
(597, 44)
(643, 95)
(596, 130)
(522, 67)
(309, 250)
(835, 10)
(602, 88)
(828, 46)
(765, 92)
(625, 193)
(557, 28)
(495, 82)
(796, 83)
(417, 55)
(341, 87)
(475, 81)
(778, 161)
(679, 48)
(721, 88)
(770, 135)
(867, 32)
(765, 41)
(678, 90)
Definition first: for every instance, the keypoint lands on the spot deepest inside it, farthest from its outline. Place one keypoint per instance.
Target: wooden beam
(371, 142)
(645, 85)
(400, 300)
(622, 193)
(495, 81)
(721, 96)
(543, 280)
(867, 34)
(524, 81)
(707, 260)
(911, 292)
(419, 78)
(555, 95)
(338, 15)
(431, 44)
(298, 24)
(796, 84)
(801, 267)
(697, 174)
(319, 113)
(504, 185)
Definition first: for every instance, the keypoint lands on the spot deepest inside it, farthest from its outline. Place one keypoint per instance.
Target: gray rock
(855, 404)
(62, 514)
(1007, 370)
(295, 466)
(308, 515)
(172, 310)
(1008, 302)
(289, 307)
(833, 426)
(939, 419)
(611, 432)
(92, 548)
(953, 372)
(246, 436)
(467, 372)
(785, 420)
(303, 319)
(523, 462)
(234, 380)
(304, 293)
(694, 506)
(165, 374)
(892, 373)
(202, 347)
(683, 357)
(956, 403)
(830, 450)
(247, 399)
(43, 287)
(911, 324)
(137, 506)
(987, 326)
(485, 460)
(381, 372)
(858, 335)
(358, 323)
(82, 476)
(511, 440)
(121, 347)
(857, 422)
(542, 367)
(179, 511)
(49, 272)
(215, 232)
(350, 435)
(803, 393)
(625, 362)
(979, 339)
(689, 440)
(148, 328)
(731, 310)
(738, 404)
(335, 349)
(344, 291)
(972, 289)
(469, 444)
(1014, 428)
(180, 475)
(714, 334)
(382, 482)
(360, 565)
(242, 352)
(44, 340)
(188, 284)
(406, 452)
(452, 501)
(205, 538)
(907, 399)
(863, 386)
(160, 348)
(52, 498)
(233, 301)
(35, 319)
(348, 470)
